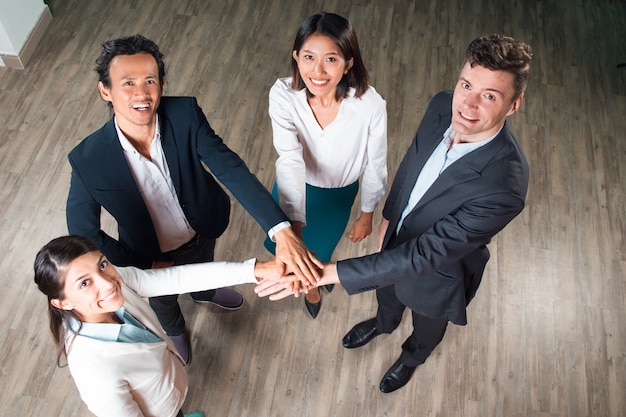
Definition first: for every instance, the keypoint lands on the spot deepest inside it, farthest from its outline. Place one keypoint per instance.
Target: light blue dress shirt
(130, 331)
(442, 157)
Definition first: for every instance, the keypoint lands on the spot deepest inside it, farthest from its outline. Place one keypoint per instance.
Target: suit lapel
(465, 169)
(115, 168)
(422, 147)
(169, 148)
(114, 164)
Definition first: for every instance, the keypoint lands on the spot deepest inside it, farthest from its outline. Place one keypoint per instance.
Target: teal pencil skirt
(327, 214)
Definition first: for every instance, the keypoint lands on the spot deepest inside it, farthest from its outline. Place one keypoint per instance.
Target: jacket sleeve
(447, 241)
(83, 218)
(182, 279)
(233, 173)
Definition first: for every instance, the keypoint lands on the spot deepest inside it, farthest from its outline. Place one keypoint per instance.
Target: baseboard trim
(28, 49)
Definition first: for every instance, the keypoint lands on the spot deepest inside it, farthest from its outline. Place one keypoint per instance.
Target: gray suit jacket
(437, 259)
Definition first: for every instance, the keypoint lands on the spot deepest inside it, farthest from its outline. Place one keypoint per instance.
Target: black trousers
(427, 332)
(166, 307)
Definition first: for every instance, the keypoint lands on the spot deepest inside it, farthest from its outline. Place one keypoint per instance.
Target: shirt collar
(449, 134)
(128, 147)
(102, 331)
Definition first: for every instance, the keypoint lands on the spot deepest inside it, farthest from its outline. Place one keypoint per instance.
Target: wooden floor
(547, 332)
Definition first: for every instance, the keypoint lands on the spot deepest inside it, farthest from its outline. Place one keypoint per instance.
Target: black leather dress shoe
(396, 377)
(360, 334)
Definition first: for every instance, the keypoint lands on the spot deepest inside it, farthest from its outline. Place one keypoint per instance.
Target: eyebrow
(486, 89)
(132, 77)
(315, 53)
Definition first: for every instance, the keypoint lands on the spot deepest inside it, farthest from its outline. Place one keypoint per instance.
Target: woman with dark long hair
(122, 361)
(330, 129)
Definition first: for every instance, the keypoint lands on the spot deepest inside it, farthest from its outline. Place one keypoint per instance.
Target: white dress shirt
(353, 144)
(157, 190)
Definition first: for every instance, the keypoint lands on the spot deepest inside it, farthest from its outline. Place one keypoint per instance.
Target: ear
(105, 92)
(348, 65)
(294, 54)
(516, 105)
(61, 304)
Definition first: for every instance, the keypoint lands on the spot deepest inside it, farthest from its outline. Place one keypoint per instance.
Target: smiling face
(482, 101)
(135, 92)
(92, 288)
(321, 65)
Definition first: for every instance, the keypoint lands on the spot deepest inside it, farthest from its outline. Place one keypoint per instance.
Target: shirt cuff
(280, 226)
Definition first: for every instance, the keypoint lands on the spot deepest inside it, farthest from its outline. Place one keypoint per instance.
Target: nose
(318, 67)
(103, 282)
(471, 99)
(141, 90)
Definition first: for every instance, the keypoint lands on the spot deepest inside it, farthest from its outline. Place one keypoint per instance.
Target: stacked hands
(296, 270)
(278, 283)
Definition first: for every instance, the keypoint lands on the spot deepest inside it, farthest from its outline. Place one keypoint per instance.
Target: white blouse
(354, 143)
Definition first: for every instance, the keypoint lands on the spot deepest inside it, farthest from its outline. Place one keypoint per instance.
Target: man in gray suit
(463, 179)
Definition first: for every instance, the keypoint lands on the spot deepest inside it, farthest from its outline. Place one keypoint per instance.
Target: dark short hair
(50, 267)
(502, 53)
(343, 34)
(131, 45)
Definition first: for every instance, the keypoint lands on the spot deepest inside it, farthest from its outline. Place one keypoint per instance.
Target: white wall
(17, 20)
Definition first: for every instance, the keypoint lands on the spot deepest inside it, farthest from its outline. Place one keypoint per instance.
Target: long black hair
(343, 34)
(50, 269)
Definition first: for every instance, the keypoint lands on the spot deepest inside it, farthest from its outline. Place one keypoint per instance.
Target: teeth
(140, 106)
(318, 82)
(469, 118)
(109, 297)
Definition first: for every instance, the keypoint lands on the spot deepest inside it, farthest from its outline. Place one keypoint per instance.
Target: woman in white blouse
(122, 361)
(329, 129)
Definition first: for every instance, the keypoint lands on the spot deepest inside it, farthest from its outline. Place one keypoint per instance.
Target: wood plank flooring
(547, 332)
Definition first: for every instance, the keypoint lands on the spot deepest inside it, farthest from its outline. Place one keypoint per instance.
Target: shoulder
(282, 84)
(95, 142)
(370, 98)
(511, 147)
(180, 113)
(131, 277)
(439, 107)
(441, 100)
(175, 101)
(173, 105)
(282, 91)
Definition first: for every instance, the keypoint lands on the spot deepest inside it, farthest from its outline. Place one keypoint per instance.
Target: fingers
(281, 267)
(280, 295)
(306, 269)
(296, 258)
(275, 290)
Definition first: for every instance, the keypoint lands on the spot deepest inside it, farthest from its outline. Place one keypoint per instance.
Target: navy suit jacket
(437, 258)
(101, 178)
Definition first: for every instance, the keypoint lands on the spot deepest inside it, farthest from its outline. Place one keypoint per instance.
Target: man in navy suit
(146, 168)
(463, 179)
